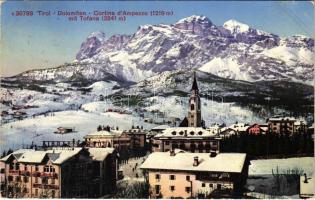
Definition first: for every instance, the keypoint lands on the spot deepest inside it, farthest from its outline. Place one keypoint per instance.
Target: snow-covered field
(265, 167)
(15, 134)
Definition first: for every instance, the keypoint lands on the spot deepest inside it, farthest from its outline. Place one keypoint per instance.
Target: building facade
(63, 172)
(194, 175)
(137, 137)
(283, 125)
(186, 138)
(112, 138)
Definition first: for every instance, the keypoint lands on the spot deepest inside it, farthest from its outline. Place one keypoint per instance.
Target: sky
(33, 42)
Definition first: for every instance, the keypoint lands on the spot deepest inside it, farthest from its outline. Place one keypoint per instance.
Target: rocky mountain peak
(235, 26)
(91, 45)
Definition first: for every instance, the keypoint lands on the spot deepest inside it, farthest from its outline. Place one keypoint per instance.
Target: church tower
(194, 111)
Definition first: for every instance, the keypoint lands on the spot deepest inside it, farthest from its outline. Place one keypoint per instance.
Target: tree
(3, 154)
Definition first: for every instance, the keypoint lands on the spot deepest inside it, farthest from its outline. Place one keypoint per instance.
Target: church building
(190, 136)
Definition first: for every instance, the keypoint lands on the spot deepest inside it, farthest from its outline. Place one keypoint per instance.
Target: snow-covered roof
(112, 133)
(161, 127)
(186, 132)
(282, 119)
(307, 189)
(57, 155)
(100, 154)
(242, 127)
(183, 161)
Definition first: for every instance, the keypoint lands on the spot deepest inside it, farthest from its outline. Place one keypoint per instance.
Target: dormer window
(174, 133)
(200, 133)
(192, 133)
(181, 133)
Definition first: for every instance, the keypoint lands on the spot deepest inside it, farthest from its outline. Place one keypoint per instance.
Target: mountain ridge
(192, 42)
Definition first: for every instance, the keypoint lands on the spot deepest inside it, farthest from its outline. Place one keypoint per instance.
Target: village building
(280, 125)
(61, 172)
(257, 129)
(227, 132)
(64, 130)
(300, 126)
(192, 139)
(180, 174)
(108, 138)
(137, 137)
(190, 135)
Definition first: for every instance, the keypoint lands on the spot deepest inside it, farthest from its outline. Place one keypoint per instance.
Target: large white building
(180, 174)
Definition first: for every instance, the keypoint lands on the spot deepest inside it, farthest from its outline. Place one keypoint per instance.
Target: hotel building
(59, 172)
(180, 174)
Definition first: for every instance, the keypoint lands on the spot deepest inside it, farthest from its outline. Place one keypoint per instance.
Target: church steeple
(194, 110)
(195, 85)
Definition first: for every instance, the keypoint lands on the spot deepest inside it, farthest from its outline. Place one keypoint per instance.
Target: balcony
(45, 186)
(49, 174)
(36, 174)
(14, 172)
(25, 173)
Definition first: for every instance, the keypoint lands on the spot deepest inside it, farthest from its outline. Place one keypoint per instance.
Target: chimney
(305, 180)
(172, 152)
(213, 154)
(196, 161)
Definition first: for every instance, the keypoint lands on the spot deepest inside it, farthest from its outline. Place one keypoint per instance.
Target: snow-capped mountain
(234, 50)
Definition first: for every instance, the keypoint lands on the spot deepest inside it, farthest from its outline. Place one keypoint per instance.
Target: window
(46, 169)
(53, 181)
(172, 188)
(25, 179)
(157, 189)
(10, 178)
(44, 180)
(192, 133)
(187, 189)
(36, 192)
(2, 171)
(11, 166)
(174, 133)
(18, 178)
(17, 166)
(157, 176)
(219, 187)
(200, 133)
(53, 193)
(192, 107)
(172, 177)
(203, 185)
(36, 179)
(25, 167)
(211, 185)
(181, 133)
(36, 168)
(52, 169)
(167, 143)
(187, 178)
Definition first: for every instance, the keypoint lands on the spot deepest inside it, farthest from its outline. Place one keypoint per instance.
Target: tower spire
(194, 85)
